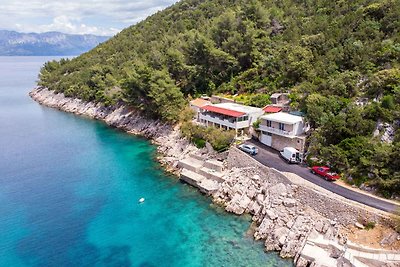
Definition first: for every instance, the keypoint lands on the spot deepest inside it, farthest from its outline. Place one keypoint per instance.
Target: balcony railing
(276, 131)
(229, 122)
(226, 122)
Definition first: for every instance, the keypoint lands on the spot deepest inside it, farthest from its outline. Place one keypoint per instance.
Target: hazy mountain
(46, 44)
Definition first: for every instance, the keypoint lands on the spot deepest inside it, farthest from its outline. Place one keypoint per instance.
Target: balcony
(276, 131)
(225, 121)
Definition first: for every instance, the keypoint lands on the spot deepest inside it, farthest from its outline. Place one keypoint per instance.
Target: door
(266, 138)
(298, 157)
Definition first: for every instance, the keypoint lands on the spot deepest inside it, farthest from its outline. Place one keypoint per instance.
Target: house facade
(229, 116)
(196, 104)
(279, 130)
(280, 100)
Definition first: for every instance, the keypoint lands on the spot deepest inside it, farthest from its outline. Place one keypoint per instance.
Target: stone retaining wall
(340, 211)
(238, 159)
(329, 207)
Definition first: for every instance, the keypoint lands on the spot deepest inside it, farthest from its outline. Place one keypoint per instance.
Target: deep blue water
(69, 190)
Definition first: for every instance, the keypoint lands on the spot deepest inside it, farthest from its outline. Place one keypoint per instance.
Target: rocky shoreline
(167, 138)
(292, 219)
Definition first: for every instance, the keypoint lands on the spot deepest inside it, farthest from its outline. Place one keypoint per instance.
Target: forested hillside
(327, 54)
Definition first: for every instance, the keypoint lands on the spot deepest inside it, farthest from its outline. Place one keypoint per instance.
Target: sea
(70, 190)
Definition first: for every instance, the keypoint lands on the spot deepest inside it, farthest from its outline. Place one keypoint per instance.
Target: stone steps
(208, 186)
(211, 174)
(205, 175)
(205, 185)
(191, 177)
(194, 156)
(215, 165)
(191, 164)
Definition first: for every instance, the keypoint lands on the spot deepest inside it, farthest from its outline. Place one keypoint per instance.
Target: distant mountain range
(46, 44)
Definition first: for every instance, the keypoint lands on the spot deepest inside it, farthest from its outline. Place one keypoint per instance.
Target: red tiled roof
(272, 109)
(224, 111)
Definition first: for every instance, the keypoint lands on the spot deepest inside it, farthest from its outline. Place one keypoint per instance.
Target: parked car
(291, 155)
(252, 150)
(325, 172)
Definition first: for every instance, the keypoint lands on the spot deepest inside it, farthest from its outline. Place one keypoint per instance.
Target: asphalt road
(271, 158)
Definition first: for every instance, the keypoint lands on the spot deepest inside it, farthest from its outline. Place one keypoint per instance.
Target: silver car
(252, 150)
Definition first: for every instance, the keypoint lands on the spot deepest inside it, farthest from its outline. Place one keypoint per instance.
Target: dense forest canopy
(327, 54)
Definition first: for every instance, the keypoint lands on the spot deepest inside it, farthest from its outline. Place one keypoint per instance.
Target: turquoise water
(69, 190)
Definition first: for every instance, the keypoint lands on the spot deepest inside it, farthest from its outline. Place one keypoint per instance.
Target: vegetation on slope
(326, 53)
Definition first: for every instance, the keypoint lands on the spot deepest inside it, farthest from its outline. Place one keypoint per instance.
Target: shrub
(256, 124)
(219, 139)
(388, 102)
(199, 143)
(186, 114)
(369, 225)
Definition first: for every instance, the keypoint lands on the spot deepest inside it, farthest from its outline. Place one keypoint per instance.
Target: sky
(100, 17)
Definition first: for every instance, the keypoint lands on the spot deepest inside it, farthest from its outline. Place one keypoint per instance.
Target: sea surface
(69, 191)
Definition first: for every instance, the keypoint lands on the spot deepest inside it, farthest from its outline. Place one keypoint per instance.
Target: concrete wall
(253, 117)
(279, 142)
(299, 128)
(239, 159)
(335, 209)
(196, 111)
(218, 99)
(330, 205)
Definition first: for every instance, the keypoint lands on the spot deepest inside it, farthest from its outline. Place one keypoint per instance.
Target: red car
(325, 173)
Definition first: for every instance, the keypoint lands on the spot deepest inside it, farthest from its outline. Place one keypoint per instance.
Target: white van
(291, 155)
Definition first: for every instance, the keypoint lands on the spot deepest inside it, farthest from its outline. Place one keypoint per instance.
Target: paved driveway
(271, 158)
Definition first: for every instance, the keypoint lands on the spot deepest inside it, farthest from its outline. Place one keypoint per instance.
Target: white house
(196, 104)
(279, 130)
(229, 116)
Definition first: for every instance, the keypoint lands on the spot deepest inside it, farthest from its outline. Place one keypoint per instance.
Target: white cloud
(102, 17)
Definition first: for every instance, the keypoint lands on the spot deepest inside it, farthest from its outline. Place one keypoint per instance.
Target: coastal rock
(277, 189)
(289, 202)
(271, 214)
(264, 229)
(260, 198)
(285, 215)
(302, 262)
(319, 225)
(359, 225)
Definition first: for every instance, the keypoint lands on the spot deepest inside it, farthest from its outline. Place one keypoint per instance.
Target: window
(244, 118)
(281, 126)
(269, 123)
